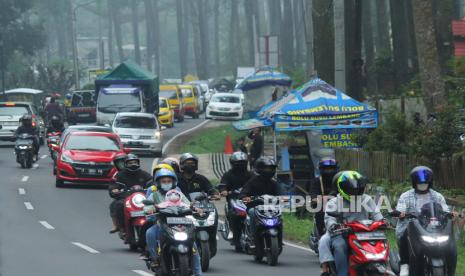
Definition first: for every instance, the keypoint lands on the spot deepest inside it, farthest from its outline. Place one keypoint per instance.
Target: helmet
(265, 166)
(119, 162)
(351, 183)
(328, 166)
(26, 120)
(239, 161)
(165, 173)
(173, 162)
(189, 156)
(55, 121)
(132, 157)
(162, 166)
(422, 179)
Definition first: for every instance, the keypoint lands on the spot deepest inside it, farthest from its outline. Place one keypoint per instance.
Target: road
(50, 231)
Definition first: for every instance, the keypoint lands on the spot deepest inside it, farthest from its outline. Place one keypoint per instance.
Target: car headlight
(438, 239)
(163, 113)
(237, 108)
(66, 159)
(137, 200)
(157, 135)
(180, 236)
(210, 107)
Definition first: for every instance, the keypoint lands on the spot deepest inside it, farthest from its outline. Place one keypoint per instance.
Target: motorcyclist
(191, 182)
(261, 183)
(412, 201)
(132, 175)
(53, 109)
(234, 179)
(165, 181)
(55, 125)
(323, 186)
(153, 188)
(173, 162)
(351, 187)
(27, 127)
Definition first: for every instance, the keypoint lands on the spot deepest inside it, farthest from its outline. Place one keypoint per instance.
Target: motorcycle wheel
(273, 251)
(29, 162)
(259, 251)
(204, 249)
(23, 164)
(225, 231)
(183, 265)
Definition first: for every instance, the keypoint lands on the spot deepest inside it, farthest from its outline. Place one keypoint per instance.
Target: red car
(88, 157)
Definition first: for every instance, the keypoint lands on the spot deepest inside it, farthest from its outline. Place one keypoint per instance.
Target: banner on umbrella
(338, 138)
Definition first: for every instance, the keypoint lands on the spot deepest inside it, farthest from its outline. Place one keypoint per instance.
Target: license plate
(83, 115)
(378, 235)
(137, 214)
(92, 172)
(135, 143)
(175, 220)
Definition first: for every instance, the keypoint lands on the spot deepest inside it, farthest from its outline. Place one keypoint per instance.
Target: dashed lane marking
(85, 247)
(28, 206)
(46, 225)
(142, 273)
(25, 178)
(21, 191)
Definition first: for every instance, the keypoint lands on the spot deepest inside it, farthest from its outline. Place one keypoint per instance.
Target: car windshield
(82, 99)
(169, 94)
(186, 92)
(225, 99)
(135, 122)
(121, 102)
(163, 104)
(13, 110)
(92, 143)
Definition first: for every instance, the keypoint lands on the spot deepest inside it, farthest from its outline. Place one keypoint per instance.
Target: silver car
(139, 132)
(11, 112)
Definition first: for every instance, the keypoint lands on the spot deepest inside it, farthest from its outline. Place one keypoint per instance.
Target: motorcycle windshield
(432, 217)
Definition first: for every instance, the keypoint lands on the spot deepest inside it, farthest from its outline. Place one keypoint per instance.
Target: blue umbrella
(264, 77)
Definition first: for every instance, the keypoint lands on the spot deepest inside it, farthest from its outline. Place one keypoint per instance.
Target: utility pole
(75, 50)
(339, 45)
(2, 66)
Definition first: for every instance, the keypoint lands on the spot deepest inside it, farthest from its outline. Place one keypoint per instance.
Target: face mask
(133, 168)
(268, 175)
(189, 168)
(240, 168)
(166, 186)
(422, 187)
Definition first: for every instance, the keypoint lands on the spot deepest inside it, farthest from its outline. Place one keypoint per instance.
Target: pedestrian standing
(256, 150)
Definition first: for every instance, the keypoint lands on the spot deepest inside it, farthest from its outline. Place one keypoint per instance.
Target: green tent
(129, 73)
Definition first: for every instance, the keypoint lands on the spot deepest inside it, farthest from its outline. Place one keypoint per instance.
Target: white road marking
(217, 238)
(21, 191)
(43, 156)
(28, 206)
(46, 225)
(86, 248)
(25, 178)
(35, 166)
(142, 273)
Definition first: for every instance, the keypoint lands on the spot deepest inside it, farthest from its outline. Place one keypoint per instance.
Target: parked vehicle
(430, 236)
(24, 150)
(166, 114)
(235, 215)
(202, 86)
(87, 157)
(368, 246)
(11, 112)
(175, 98)
(225, 106)
(82, 107)
(135, 222)
(269, 231)
(139, 132)
(191, 100)
(206, 226)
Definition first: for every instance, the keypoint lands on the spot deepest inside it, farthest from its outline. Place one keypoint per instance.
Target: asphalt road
(50, 231)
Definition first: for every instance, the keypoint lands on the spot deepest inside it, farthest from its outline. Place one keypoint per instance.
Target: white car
(139, 132)
(225, 106)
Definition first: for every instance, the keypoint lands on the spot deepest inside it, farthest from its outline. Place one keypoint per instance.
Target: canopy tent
(266, 76)
(315, 105)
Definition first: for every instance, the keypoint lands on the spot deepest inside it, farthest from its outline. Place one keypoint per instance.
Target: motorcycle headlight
(66, 159)
(180, 236)
(23, 147)
(137, 200)
(237, 108)
(438, 239)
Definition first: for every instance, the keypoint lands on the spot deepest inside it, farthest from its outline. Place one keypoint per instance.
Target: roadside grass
(211, 140)
(296, 229)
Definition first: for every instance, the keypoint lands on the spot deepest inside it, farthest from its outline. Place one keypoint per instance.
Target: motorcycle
(314, 239)
(236, 213)
(268, 238)
(176, 245)
(368, 246)
(430, 237)
(135, 222)
(24, 150)
(206, 224)
(53, 138)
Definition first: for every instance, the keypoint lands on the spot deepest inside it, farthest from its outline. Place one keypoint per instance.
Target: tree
(233, 36)
(156, 35)
(115, 7)
(428, 59)
(287, 39)
(182, 38)
(383, 41)
(111, 49)
(216, 35)
(368, 42)
(354, 62)
(323, 39)
(135, 29)
(249, 10)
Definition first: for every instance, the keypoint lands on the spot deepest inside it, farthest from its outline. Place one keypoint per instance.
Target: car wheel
(171, 125)
(59, 183)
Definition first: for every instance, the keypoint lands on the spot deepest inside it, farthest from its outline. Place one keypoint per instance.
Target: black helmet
(238, 161)
(422, 179)
(55, 121)
(119, 162)
(26, 120)
(188, 156)
(328, 166)
(265, 166)
(132, 157)
(351, 183)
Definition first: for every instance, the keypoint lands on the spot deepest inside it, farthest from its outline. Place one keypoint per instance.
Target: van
(175, 98)
(114, 99)
(191, 100)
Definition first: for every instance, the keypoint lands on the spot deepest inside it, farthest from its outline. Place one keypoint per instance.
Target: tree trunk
(249, 10)
(233, 43)
(274, 7)
(216, 33)
(118, 35)
(339, 45)
(204, 39)
(135, 30)
(353, 19)
(148, 7)
(370, 72)
(400, 41)
(383, 42)
(196, 38)
(182, 39)
(111, 59)
(287, 29)
(307, 8)
(298, 33)
(443, 14)
(428, 59)
(323, 16)
(156, 36)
